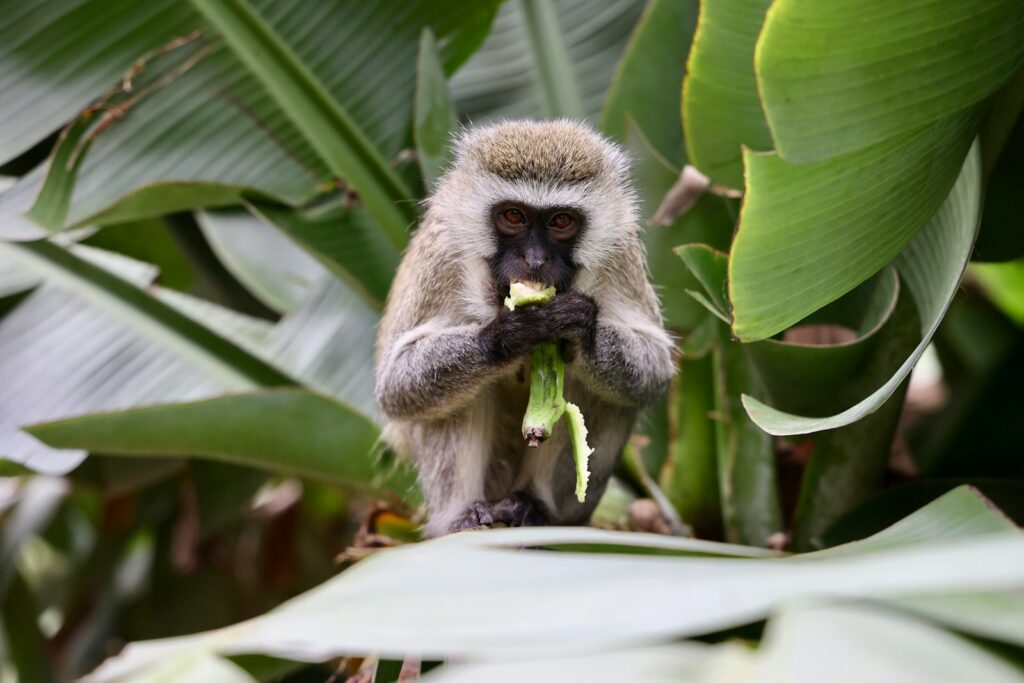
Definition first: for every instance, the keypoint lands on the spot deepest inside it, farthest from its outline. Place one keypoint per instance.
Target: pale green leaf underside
(809, 233)
(931, 265)
(836, 76)
(423, 599)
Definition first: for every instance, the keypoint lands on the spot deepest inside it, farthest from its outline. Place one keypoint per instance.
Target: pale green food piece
(547, 398)
(581, 450)
(520, 294)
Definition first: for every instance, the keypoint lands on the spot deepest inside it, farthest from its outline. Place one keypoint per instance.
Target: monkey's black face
(535, 244)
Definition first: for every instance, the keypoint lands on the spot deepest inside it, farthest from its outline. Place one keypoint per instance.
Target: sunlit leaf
(810, 233)
(931, 266)
(838, 76)
(721, 110)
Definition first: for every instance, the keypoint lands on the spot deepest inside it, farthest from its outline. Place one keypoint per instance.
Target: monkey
(548, 202)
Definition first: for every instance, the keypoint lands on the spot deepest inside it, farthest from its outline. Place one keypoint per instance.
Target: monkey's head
(537, 200)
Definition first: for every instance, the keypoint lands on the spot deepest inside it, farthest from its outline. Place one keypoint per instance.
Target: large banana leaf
(427, 600)
(274, 269)
(207, 131)
(809, 233)
(501, 80)
(721, 110)
(931, 267)
(888, 68)
(120, 347)
(44, 86)
(285, 430)
(646, 84)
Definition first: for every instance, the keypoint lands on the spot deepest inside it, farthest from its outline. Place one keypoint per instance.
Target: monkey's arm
(629, 362)
(432, 371)
(628, 356)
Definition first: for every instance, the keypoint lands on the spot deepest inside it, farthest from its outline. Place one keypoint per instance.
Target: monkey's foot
(519, 509)
(478, 515)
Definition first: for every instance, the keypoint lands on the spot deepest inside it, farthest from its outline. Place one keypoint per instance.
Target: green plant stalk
(547, 402)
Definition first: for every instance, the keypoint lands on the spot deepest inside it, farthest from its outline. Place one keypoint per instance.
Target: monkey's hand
(571, 316)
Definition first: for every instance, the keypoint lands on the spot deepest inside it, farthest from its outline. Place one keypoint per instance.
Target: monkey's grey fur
(454, 411)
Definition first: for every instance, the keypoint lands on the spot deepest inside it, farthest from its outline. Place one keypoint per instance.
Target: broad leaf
(810, 233)
(686, 662)
(501, 81)
(421, 599)
(208, 133)
(109, 346)
(854, 643)
(325, 124)
(552, 65)
(108, 37)
(272, 267)
(286, 430)
(747, 476)
(346, 241)
(888, 69)
(434, 119)
(721, 110)
(646, 86)
(931, 267)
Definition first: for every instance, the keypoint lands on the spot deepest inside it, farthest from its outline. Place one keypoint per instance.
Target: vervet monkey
(542, 202)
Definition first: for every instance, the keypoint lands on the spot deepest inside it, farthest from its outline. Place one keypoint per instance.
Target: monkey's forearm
(629, 366)
(434, 373)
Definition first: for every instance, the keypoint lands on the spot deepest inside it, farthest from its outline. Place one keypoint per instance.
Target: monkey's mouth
(532, 284)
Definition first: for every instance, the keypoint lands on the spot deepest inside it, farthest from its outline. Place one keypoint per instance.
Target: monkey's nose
(535, 258)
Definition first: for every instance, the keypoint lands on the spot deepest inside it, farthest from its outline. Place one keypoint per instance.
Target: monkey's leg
(452, 457)
(519, 509)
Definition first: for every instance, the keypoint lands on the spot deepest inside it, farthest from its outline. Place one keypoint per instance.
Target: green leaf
(551, 61)
(271, 266)
(310, 107)
(558, 603)
(346, 241)
(500, 81)
(931, 267)
(721, 110)
(689, 475)
(217, 356)
(748, 488)
(707, 221)
(709, 266)
(20, 621)
(107, 38)
(208, 134)
(810, 233)
(50, 209)
(646, 86)
(285, 430)
(434, 119)
(109, 345)
(836, 77)
(1004, 284)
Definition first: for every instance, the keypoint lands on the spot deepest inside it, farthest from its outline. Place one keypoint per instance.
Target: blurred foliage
(202, 205)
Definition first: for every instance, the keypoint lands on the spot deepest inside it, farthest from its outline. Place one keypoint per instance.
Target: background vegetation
(205, 202)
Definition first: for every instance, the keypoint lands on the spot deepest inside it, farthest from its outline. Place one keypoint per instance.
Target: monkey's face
(535, 244)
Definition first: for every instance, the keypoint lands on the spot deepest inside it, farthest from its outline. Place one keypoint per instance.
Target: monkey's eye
(514, 216)
(562, 226)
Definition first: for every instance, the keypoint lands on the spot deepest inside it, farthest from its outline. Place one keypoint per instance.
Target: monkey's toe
(520, 509)
(479, 514)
